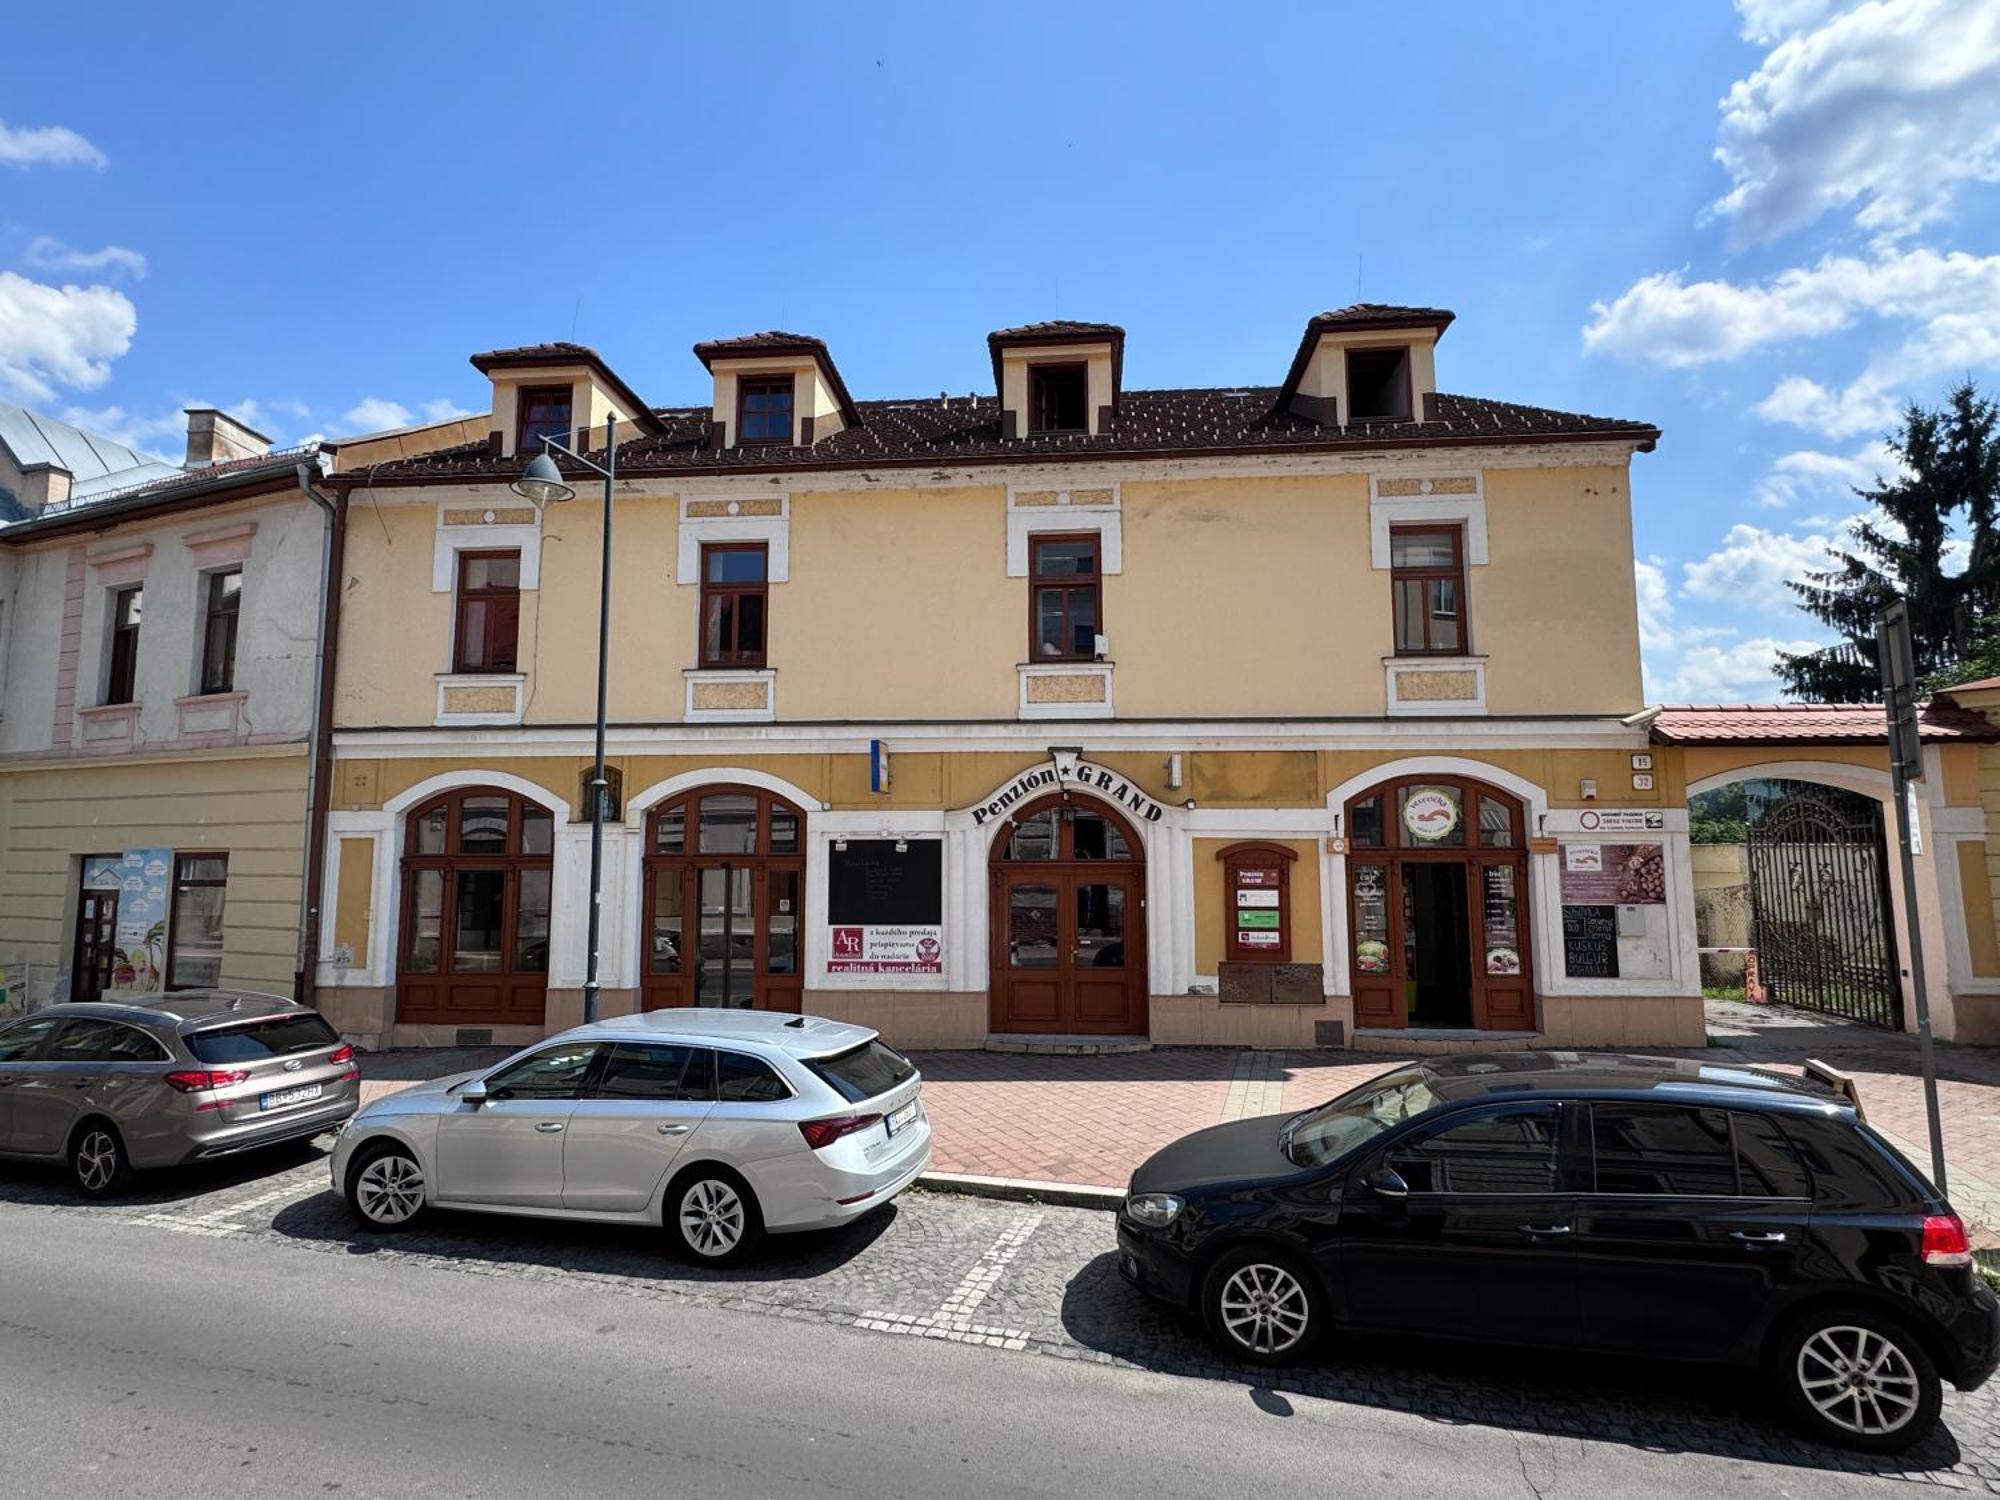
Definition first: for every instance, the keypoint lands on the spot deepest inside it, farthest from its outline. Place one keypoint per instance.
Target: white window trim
(1030, 670)
(775, 532)
(1394, 666)
(766, 675)
(1468, 511)
(1026, 521)
(515, 680)
(452, 540)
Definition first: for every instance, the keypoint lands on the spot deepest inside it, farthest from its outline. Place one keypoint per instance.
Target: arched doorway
(477, 872)
(725, 878)
(1437, 880)
(1069, 941)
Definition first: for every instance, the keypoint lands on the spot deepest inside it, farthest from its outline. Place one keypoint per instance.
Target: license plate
(903, 1118)
(283, 1097)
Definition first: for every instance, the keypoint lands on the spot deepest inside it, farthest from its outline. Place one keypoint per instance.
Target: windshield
(1321, 1135)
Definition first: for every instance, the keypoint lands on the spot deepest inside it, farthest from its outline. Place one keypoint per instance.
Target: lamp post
(542, 483)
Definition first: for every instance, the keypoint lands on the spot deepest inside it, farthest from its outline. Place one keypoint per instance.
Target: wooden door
(1028, 949)
(96, 948)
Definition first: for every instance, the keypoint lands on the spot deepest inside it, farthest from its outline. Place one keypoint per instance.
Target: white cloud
(1736, 672)
(1861, 406)
(1656, 607)
(377, 414)
(46, 253)
(59, 336)
(1887, 107)
(1752, 566)
(47, 146)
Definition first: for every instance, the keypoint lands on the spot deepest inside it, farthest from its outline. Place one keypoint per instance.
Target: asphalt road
(240, 1339)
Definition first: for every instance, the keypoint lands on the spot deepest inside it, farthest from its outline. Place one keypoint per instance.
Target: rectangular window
(194, 940)
(764, 409)
(544, 411)
(733, 600)
(121, 682)
(1065, 613)
(1427, 582)
(1662, 1151)
(222, 603)
(489, 611)
(1378, 385)
(1058, 398)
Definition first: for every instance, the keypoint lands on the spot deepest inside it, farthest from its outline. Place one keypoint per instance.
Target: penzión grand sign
(1064, 774)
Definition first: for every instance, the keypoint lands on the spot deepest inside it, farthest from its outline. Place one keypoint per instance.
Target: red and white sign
(885, 950)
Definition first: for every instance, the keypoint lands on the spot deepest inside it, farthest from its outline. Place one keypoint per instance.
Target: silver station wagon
(720, 1124)
(116, 1087)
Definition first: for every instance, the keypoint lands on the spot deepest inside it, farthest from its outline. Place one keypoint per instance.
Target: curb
(1022, 1190)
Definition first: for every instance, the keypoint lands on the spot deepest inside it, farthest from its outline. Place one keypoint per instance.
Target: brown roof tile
(1808, 723)
(562, 352)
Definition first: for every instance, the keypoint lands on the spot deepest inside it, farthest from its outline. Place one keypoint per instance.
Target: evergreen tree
(1951, 463)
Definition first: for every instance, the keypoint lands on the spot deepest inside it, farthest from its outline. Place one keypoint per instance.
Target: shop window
(734, 583)
(1065, 607)
(478, 892)
(1257, 902)
(194, 941)
(121, 680)
(1058, 398)
(1496, 824)
(489, 612)
(544, 412)
(764, 410)
(1364, 822)
(222, 602)
(1378, 385)
(1034, 837)
(1427, 583)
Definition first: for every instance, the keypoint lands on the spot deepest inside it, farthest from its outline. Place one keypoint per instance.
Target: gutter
(319, 763)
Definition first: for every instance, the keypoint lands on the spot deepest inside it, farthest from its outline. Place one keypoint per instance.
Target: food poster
(1614, 875)
(1371, 919)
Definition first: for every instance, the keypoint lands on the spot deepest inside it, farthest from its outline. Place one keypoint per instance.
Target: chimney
(215, 437)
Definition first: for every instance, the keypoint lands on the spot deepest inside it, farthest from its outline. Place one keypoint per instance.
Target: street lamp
(542, 483)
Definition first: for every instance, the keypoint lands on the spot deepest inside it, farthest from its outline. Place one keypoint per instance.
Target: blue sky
(1761, 228)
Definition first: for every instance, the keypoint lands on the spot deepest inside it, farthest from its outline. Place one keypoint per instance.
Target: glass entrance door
(96, 951)
(726, 946)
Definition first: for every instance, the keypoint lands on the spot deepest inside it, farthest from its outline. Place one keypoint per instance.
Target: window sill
(480, 698)
(1065, 689)
(210, 716)
(1438, 658)
(730, 695)
(108, 726)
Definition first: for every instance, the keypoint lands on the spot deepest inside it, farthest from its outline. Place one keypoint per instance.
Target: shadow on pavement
(1668, 1409)
(34, 1183)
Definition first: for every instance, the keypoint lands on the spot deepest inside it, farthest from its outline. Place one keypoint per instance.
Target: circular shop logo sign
(1430, 813)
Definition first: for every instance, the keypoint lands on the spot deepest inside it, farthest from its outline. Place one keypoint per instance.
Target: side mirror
(474, 1093)
(1387, 1183)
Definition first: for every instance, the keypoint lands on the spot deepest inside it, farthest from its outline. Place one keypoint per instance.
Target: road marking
(214, 1223)
(953, 1319)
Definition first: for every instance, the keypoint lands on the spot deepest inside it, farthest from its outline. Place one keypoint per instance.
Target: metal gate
(1819, 904)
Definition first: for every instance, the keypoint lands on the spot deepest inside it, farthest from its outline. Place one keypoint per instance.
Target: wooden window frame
(1036, 374)
(174, 889)
(1257, 855)
(1036, 586)
(461, 596)
(1409, 378)
(527, 445)
(767, 384)
(1455, 574)
(724, 658)
(218, 667)
(451, 862)
(121, 680)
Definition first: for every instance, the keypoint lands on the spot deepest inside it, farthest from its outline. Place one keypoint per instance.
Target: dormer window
(764, 409)
(1059, 398)
(544, 412)
(1378, 385)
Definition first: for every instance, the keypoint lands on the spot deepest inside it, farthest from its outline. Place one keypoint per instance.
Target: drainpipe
(319, 764)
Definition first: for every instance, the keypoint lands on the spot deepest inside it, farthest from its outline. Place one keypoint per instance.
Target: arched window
(477, 887)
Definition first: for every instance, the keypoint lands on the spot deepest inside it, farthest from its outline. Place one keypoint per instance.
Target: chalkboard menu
(1590, 942)
(868, 884)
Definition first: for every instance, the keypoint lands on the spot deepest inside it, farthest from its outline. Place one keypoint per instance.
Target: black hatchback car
(1621, 1204)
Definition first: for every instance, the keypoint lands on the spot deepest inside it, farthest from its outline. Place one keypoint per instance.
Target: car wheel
(97, 1161)
(1857, 1379)
(385, 1189)
(1261, 1305)
(715, 1217)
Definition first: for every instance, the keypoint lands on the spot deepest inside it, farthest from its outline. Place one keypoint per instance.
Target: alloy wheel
(712, 1217)
(1859, 1380)
(390, 1189)
(1264, 1308)
(96, 1161)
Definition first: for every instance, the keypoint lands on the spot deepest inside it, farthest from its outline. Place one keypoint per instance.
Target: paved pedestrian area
(1018, 1281)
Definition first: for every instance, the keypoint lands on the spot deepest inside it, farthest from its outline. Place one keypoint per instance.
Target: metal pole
(598, 784)
(1926, 1056)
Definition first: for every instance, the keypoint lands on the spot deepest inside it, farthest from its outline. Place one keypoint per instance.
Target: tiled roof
(1382, 315)
(769, 341)
(1056, 328)
(562, 352)
(1807, 723)
(966, 429)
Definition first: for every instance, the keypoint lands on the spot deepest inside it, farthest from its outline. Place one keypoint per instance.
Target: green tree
(1951, 478)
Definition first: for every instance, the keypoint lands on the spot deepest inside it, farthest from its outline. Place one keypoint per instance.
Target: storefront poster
(885, 950)
(1614, 875)
(140, 939)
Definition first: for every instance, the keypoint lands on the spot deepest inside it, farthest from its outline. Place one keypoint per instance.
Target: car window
(651, 1070)
(1848, 1170)
(130, 1044)
(1766, 1164)
(16, 1042)
(552, 1073)
(254, 1041)
(747, 1080)
(863, 1072)
(1319, 1136)
(1663, 1150)
(1501, 1151)
(83, 1041)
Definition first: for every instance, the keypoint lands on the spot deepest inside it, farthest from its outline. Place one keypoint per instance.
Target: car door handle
(548, 1127)
(674, 1129)
(1536, 1231)
(1754, 1240)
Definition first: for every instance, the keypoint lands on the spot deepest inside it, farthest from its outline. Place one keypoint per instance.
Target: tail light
(201, 1081)
(1945, 1243)
(820, 1134)
(341, 1054)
